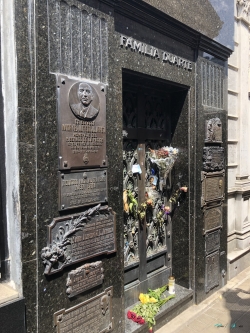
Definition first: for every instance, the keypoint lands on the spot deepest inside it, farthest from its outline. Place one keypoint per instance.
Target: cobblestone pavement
(228, 308)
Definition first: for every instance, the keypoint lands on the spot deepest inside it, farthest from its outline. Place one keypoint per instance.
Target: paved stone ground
(230, 307)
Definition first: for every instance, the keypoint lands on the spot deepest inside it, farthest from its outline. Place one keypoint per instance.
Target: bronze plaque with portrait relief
(91, 316)
(81, 111)
(213, 184)
(79, 189)
(77, 237)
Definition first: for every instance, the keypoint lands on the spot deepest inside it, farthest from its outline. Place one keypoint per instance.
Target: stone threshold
(237, 254)
(7, 294)
(183, 299)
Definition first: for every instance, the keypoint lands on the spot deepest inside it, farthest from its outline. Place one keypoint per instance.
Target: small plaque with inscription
(212, 218)
(212, 186)
(74, 238)
(84, 278)
(212, 241)
(82, 123)
(213, 130)
(91, 316)
(213, 158)
(212, 271)
(83, 188)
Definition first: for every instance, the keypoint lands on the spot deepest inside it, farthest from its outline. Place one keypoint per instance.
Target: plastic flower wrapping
(164, 158)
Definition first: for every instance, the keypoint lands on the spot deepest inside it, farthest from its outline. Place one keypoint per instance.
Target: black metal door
(147, 241)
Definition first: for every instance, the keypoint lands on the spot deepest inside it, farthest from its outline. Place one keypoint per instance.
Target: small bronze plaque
(212, 241)
(74, 238)
(91, 316)
(84, 278)
(83, 188)
(81, 123)
(212, 186)
(213, 130)
(213, 158)
(212, 218)
(212, 271)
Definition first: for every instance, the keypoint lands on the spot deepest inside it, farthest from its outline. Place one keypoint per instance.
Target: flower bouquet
(149, 306)
(164, 158)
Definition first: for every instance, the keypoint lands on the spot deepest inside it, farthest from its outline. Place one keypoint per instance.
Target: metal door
(147, 241)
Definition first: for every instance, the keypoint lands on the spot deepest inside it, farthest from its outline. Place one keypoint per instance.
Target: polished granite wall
(38, 59)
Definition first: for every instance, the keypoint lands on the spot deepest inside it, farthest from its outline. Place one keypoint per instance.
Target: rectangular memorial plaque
(212, 241)
(213, 130)
(213, 158)
(212, 271)
(81, 123)
(74, 238)
(91, 316)
(82, 188)
(212, 186)
(212, 218)
(84, 277)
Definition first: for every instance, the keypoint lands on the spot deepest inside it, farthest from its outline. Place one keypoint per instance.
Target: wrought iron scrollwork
(131, 223)
(156, 218)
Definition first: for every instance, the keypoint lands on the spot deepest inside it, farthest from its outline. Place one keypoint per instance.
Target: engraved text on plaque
(212, 241)
(84, 277)
(212, 218)
(212, 186)
(74, 238)
(82, 188)
(91, 316)
(212, 271)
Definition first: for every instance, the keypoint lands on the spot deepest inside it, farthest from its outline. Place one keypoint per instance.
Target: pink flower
(140, 320)
(131, 315)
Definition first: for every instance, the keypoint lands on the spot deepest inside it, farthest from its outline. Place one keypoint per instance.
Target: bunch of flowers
(149, 306)
(164, 158)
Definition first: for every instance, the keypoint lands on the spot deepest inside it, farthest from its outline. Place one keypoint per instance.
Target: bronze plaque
(74, 238)
(212, 218)
(213, 158)
(213, 130)
(83, 188)
(212, 186)
(212, 271)
(91, 316)
(212, 241)
(84, 278)
(82, 123)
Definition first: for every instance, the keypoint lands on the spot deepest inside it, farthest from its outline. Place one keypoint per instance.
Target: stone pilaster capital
(243, 9)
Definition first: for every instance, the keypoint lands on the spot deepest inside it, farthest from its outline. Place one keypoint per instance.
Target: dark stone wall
(192, 13)
(42, 52)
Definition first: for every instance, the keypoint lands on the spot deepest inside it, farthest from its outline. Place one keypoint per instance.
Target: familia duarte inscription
(74, 238)
(82, 123)
(91, 316)
(84, 277)
(153, 52)
(82, 188)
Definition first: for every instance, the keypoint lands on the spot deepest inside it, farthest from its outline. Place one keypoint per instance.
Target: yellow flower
(152, 300)
(144, 298)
